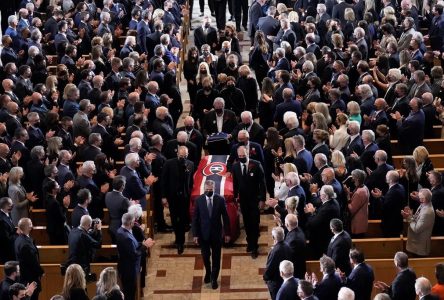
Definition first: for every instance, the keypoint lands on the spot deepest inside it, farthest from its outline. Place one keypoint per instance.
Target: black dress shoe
(248, 249)
(213, 14)
(201, 14)
(179, 249)
(254, 254)
(207, 278)
(214, 285)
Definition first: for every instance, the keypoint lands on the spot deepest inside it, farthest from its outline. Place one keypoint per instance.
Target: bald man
(377, 117)
(8, 87)
(171, 147)
(194, 135)
(430, 115)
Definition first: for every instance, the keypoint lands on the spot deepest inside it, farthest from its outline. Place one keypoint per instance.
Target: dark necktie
(244, 170)
(210, 206)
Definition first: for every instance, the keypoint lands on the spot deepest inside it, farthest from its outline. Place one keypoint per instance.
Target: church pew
(379, 247)
(59, 254)
(38, 216)
(437, 246)
(385, 270)
(52, 281)
(434, 146)
(41, 237)
(374, 229)
(437, 160)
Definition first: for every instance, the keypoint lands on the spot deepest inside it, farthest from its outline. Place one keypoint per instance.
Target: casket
(214, 167)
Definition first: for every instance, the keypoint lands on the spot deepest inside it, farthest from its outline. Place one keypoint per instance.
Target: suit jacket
(7, 238)
(109, 148)
(318, 226)
(206, 227)
(338, 250)
(279, 252)
(403, 286)
(339, 11)
(391, 219)
(130, 253)
(134, 188)
(255, 153)
(152, 41)
(254, 14)
(177, 182)
(143, 31)
(358, 208)
(268, 25)
(89, 153)
(360, 281)
(200, 38)
(77, 214)
(163, 128)
(55, 219)
(172, 146)
(295, 239)
(367, 154)
(257, 132)
(411, 131)
(329, 285)
(249, 189)
(81, 244)
(377, 178)
(288, 36)
(282, 108)
(210, 123)
(420, 230)
(288, 290)
(117, 205)
(194, 136)
(29, 260)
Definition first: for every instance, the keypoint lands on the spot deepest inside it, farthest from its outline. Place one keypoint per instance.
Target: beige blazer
(420, 231)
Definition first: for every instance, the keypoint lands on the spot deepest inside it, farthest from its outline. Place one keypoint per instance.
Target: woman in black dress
(190, 68)
(266, 103)
(259, 57)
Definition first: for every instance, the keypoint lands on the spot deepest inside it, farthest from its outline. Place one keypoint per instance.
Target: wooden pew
(52, 281)
(374, 229)
(379, 247)
(41, 237)
(437, 247)
(38, 216)
(434, 146)
(437, 159)
(59, 254)
(385, 270)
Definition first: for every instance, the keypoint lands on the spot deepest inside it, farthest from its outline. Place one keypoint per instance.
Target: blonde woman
(74, 286)
(107, 281)
(354, 112)
(280, 188)
(291, 203)
(339, 136)
(20, 198)
(339, 165)
(54, 147)
(322, 108)
(202, 72)
(424, 165)
(319, 122)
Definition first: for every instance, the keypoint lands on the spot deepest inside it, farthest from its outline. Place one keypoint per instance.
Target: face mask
(243, 160)
(181, 144)
(203, 72)
(207, 88)
(231, 65)
(37, 124)
(209, 194)
(226, 50)
(247, 124)
(207, 25)
(182, 160)
(348, 131)
(218, 111)
(227, 33)
(189, 128)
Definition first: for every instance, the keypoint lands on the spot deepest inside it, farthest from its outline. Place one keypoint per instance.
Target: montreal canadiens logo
(215, 168)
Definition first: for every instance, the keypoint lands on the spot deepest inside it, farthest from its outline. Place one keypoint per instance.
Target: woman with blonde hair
(319, 122)
(339, 136)
(354, 112)
(320, 138)
(54, 147)
(280, 188)
(322, 108)
(20, 198)
(74, 285)
(107, 281)
(424, 165)
(291, 204)
(338, 163)
(202, 72)
(349, 17)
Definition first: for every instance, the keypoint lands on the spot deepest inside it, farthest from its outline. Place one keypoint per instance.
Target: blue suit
(306, 156)
(134, 188)
(70, 108)
(288, 290)
(411, 131)
(209, 230)
(255, 150)
(143, 30)
(130, 252)
(328, 286)
(281, 109)
(360, 281)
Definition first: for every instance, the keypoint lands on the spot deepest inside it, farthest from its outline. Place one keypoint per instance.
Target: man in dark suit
(194, 135)
(305, 290)
(331, 282)
(143, 31)
(171, 147)
(154, 38)
(55, 214)
(28, 257)
(423, 289)
(135, 188)
(285, 34)
(295, 239)
(82, 241)
(280, 251)
(256, 131)
(211, 123)
(81, 209)
(403, 286)
(410, 129)
(86, 181)
(254, 149)
(289, 104)
(177, 182)
(130, 253)
(340, 246)
(289, 288)
(391, 203)
(209, 211)
(378, 116)
(109, 143)
(370, 148)
(21, 136)
(339, 11)
(117, 205)
(12, 275)
(206, 34)
(361, 277)
(7, 231)
(268, 24)
(318, 221)
(249, 188)
(254, 14)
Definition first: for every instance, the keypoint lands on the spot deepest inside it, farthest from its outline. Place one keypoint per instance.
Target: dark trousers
(251, 216)
(220, 11)
(180, 221)
(129, 285)
(158, 207)
(211, 248)
(241, 13)
(230, 7)
(273, 288)
(210, 4)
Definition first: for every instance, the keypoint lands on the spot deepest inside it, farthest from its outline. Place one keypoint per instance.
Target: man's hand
(309, 208)
(406, 212)
(30, 288)
(104, 188)
(31, 197)
(376, 193)
(341, 274)
(382, 286)
(149, 157)
(369, 171)
(16, 157)
(149, 242)
(396, 115)
(118, 142)
(306, 177)
(272, 202)
(165, 202)
(68, 185)
(150, 180)
(79, 140)
(196, 240)
(440, 213)
(66, 201)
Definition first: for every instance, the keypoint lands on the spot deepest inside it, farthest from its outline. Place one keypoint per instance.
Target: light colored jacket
(420, 230)
(17, 193)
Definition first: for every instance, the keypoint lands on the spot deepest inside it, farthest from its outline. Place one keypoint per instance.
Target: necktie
(244, 172)
(210, 206)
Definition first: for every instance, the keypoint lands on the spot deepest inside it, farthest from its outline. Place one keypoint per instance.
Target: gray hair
(328, 191)
(366, 90)
(131, 158)
(278, 234)
(346, 294)
(135, 142)
(368, 134)
(33, 51)
(219, 100)
(94, 138)
(423, 286)
(293, 177)
(88, 165)
(127, 219)
(85, 221)
(135, 210)
(182, 137)
(286, 268)
(37, 152)
(359, 175)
